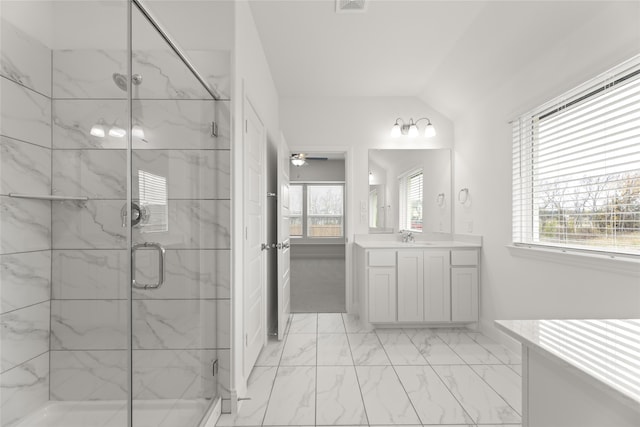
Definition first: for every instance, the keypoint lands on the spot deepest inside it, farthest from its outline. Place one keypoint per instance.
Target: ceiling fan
(300, 159)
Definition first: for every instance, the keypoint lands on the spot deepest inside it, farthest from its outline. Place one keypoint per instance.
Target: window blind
(576, 167)
(414, 201)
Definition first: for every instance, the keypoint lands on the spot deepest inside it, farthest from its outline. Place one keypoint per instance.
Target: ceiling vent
(345, 6)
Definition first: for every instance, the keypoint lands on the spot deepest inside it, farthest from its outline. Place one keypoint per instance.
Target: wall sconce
(99, 130)
(411, 129)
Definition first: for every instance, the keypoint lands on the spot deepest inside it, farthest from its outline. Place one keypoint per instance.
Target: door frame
(351, 298)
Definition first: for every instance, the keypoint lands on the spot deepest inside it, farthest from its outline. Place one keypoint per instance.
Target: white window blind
(153, 197)
(576, 167)
(411, 186)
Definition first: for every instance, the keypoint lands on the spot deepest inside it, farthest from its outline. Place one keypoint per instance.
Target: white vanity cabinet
(418, 285)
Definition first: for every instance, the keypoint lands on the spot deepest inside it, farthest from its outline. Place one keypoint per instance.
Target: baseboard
(488, 328)
(212, 417)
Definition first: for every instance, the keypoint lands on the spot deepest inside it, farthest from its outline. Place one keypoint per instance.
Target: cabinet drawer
(460, 257)
(382, 258)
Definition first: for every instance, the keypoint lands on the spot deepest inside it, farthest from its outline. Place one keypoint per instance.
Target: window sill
(621, 264)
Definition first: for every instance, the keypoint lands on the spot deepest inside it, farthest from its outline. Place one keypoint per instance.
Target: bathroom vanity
(578, 373)
(417, 283)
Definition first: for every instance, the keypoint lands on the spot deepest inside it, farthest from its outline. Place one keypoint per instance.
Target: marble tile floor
(330, 370)
(113, 413)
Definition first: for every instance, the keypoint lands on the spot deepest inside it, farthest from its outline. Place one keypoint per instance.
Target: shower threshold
(113, 413)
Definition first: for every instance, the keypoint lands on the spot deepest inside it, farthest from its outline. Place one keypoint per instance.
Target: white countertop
(435, 244)
(606, 350)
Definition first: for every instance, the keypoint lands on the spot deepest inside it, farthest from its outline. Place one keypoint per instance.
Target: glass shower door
(180, 234)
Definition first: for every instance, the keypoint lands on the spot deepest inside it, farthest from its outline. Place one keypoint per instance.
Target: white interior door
(254, 219)
(284, 246)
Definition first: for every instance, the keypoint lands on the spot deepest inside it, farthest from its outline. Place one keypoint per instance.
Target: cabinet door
(437, 293)
(410, 286)
(382, 294)
(464, 294)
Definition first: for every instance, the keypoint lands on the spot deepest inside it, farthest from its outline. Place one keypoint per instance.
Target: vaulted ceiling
(448, 53)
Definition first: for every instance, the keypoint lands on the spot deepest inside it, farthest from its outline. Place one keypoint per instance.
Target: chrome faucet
(407, 236)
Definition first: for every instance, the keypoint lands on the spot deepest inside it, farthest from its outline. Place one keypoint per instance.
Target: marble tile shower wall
(25, 225)
(180, 328)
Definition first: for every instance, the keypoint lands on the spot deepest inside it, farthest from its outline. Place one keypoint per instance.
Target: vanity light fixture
(117, 132)
(411, 129)
(98, 129)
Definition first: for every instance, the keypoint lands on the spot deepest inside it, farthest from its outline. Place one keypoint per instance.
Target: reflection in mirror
(394, 205)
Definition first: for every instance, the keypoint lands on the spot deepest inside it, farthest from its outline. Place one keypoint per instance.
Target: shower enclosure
(114, 219)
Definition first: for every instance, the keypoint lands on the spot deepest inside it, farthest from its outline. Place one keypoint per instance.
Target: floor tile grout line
(416, 346)
(454, 396)
(399, 380)
(286, 337)
(490, 352)
(355, 371)
(496, 391)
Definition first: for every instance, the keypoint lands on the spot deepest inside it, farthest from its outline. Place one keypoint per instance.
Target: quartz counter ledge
(579, 372)
(431, 244)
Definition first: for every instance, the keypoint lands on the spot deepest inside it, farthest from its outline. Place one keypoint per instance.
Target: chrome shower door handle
(161, 252)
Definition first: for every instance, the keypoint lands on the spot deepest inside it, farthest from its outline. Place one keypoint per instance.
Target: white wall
(516, 287)
(252, 77)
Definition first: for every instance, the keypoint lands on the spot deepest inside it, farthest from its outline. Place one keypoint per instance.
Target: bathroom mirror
(392, 208)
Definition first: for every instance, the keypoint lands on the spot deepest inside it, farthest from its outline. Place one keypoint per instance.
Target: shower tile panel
(25, 278)
(24, 168)
(89, 325)
(191, 224)
(95, 224)
(25, 225)
(215, 67)
(224, 373)
(173, 374)
(24, 59)
(165, 76)
(24, 335)
(89, 375)
(89, 274)
(97, 174)
(174, 324)
(73, 119)
(25, 114)
(88, 73)
(190, 174)
(180, 124)
(189, 274)
(24, 389)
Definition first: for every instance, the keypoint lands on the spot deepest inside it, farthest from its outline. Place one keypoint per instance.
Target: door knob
(264, 247)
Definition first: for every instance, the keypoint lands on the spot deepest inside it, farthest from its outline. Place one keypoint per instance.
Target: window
(411, 200)
(576, 167)
(153, 198)
(317, 210)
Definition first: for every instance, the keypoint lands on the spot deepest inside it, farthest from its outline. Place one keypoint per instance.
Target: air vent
(350, 6)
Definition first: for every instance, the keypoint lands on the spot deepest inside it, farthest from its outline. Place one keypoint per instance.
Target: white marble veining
(173, 374)
(330, 323)
(189, 274)
(95, 224)
(504, 381)
(174, 324)
(182, 125)
(97, 174)
(224, 373)
(215, 67)
(338, 400)
(605, 350)
(399, 348)
(190, 174)
(501, 352)
(24, 168)
(293, 397)
(478, 399)
(89, 274)
(465, 347)
(384, 398)
(304, 323)
(271, 353)
(24, 59)
(24, 389)
(430, 397)
(73, 119)
(433, 348)
(299, 350)
(333, 349)
(367, 350)
(24, 335)
(353, 325)
(25, 278)
(88, 73)
(258, 389)
(192, 224)
(25, 114)
(89, 325)
(25, 225)
(89, 375)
